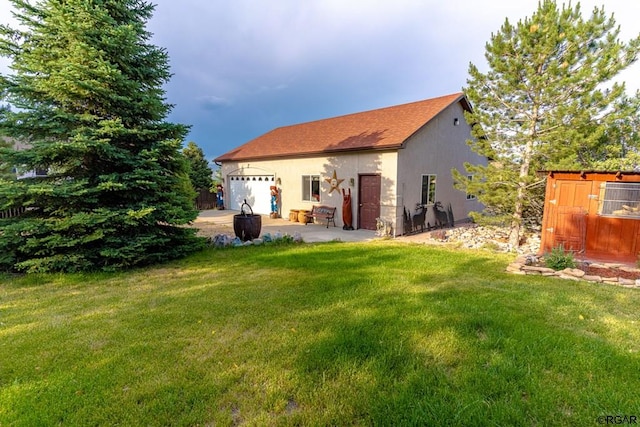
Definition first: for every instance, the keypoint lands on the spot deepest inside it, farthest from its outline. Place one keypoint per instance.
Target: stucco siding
(433, 149)
(436, 149)
(289, 172)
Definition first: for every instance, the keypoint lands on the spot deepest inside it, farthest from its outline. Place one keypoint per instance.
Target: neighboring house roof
(382, 129)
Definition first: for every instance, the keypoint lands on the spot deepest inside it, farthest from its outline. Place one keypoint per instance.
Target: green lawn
(324, 334)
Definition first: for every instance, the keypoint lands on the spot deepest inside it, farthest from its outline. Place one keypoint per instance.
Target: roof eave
(388, 147)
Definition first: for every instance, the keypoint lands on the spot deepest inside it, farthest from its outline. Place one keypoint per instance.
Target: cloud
(212, 102)
(243, 67)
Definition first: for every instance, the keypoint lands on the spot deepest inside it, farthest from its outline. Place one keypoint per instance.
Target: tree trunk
(516, 221)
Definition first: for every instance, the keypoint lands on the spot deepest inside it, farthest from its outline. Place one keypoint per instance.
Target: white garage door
(252, 188)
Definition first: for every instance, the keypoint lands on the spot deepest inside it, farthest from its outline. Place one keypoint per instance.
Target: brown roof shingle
(385, 128)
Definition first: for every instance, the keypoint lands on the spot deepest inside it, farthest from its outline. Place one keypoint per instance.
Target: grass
(324, 334)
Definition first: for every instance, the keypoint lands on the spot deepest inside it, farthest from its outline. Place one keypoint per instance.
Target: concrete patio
(310, 233)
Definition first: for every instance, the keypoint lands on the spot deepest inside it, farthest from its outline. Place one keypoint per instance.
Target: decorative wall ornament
(275, 201)
(334, 182)
(347, 214)
(443, 218)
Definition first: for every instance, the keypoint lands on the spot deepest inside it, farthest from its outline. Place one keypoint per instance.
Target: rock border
(225, 240)
(524, 265)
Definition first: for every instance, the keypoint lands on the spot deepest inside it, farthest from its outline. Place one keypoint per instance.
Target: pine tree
(199, 171)
(547, 102)
(86, 85)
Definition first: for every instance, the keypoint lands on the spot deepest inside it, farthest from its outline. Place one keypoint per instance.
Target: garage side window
(470, 196)
(428, 189)
(620, 199)
(311, 188)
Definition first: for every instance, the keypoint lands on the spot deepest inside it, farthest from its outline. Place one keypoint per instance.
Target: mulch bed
(609, 272)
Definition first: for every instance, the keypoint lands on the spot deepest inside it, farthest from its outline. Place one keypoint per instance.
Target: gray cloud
(243, 67)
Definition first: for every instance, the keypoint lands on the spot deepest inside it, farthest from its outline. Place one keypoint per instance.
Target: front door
(369, 201)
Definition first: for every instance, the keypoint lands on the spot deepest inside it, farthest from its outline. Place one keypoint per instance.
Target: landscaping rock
(568, 277)
(515, 266)
(539, 269)
(221, 240)
(473, 236)
(613, 265)
(597, 265)
(627, 282)
(576, 272)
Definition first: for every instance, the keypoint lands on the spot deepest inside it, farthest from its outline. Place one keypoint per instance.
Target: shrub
(559, 259)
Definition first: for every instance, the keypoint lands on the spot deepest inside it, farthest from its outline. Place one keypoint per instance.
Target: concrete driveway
(310, 233)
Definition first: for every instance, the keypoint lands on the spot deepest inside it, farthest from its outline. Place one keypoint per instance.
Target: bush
(559, 259)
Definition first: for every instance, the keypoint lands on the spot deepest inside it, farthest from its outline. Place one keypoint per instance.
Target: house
(21, 174)
(391, 160)
(594, 214)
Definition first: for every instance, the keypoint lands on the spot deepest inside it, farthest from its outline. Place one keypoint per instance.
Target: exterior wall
(571, 218)
(288, 173)
(436, 149)
(20, 145)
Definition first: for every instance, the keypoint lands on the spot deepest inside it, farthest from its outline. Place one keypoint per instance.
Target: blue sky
(244, 67)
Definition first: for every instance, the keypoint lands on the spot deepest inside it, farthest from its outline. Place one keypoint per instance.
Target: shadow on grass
(443, 358)
(326, 334)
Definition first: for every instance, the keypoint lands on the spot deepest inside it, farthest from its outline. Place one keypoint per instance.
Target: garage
(252, 188)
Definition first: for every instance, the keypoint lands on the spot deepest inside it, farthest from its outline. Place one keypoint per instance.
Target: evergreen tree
(87, 87)
(547, 102)
(199, 171)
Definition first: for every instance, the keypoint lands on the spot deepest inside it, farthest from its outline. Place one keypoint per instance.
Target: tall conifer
(547, 101)
(86, 95)
(200, 173)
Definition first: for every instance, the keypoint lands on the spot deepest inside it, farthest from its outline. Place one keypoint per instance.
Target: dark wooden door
(368, 201)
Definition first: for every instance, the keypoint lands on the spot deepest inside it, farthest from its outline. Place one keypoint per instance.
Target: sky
(244, 67)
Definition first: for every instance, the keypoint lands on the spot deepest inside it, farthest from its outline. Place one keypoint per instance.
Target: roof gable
(385, 128)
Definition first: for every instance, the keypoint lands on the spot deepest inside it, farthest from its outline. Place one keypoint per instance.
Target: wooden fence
(11, 213)
(205, 200)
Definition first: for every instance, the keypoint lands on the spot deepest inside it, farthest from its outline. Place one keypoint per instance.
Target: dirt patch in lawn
(211, 229)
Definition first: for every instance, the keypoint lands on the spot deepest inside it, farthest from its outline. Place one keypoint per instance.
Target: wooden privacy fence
(205, 200)
(10, 213)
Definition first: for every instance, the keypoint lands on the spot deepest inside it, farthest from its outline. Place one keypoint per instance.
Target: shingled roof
(382, 129)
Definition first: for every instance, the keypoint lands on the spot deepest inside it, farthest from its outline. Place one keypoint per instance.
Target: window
(311, 188)
(428, 189)
(469, 195)
(620, 199)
